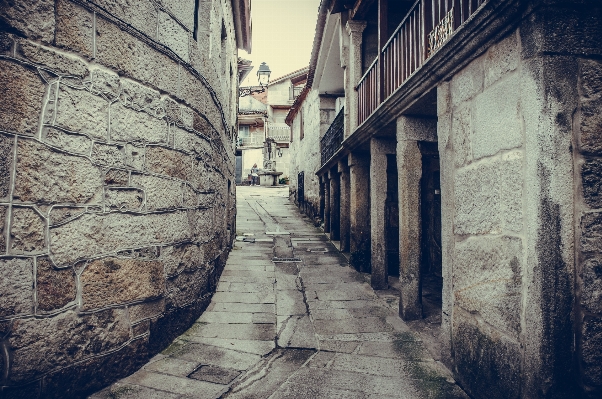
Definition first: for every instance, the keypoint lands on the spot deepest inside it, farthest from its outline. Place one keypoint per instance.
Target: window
(301, 132)
(243, 131)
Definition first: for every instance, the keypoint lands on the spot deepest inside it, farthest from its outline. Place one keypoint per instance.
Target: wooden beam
(360, 8)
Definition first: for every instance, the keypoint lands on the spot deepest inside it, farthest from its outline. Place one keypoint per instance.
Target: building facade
(117, 194)
(263, 135)
(467, 164)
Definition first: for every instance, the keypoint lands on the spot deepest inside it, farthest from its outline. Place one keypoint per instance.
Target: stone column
(335, 205)
(344, 202)
(353, 73)
(326, 203)
(409, 164)
(379, 148)
(359, 210)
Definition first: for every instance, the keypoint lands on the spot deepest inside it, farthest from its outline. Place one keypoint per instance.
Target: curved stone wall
(116, 183)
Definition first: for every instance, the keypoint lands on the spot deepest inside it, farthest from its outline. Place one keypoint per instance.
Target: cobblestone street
(290, 320)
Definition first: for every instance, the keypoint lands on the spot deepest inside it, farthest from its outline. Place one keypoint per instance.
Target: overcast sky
(283, 34)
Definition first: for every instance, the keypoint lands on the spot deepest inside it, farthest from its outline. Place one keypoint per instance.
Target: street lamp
(263, 76)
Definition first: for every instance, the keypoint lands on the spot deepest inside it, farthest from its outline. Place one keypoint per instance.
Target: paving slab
(310, 329)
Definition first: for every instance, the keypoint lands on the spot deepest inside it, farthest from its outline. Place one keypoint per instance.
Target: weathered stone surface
(112, 280)
(63, 339)
(3, 224)
(197, 96)
(7, 145)
(187, 287)
(130, 125)
(75, 143)
(501, 59)
(82, 112)
(461, 134)
(134, 156)
(106, 83)
(141, 14)
(146, 310)
(202, 224)
(168, 162)
(591, 175)
(191, 198)
(591, 79)
(591, 232)
(182, 257)
(48, 176)
(55, 287)
(591, 296)
(141, 98)
(16, 285)
(94, 234)
(487, 280)
(190, 142)
(133, 58)
(592, 355)
(61, 214)
(117, 177)
(108, 155)
(486, 362)
(160, 193)
(182, 10)
(85, 376)
(591, 127)
(488, 196)
(74, 28)
(124, 199)
(23, 94)
(60, 63)
(497, 120)
(468, 82)
(215, 374)
(28, 231)
(173, 35)
(34, 19)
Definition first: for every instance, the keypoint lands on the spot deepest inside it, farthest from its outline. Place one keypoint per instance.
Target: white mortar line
(94, 35)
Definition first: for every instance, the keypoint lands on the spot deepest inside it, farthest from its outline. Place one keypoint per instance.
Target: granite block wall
(518, 131)
(116, 183)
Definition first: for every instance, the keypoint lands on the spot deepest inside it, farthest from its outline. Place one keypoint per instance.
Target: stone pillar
(359, 210)
(353, 73)
(344, 202)
(409, 163)
(379, 149)
(326, 203)
(335, 205)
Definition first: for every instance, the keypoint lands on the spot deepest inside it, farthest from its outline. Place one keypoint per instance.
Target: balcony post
(353, 74)
(383, 36)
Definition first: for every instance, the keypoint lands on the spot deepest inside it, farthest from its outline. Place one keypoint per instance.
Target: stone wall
(305, 154)
(588, 207)
(116, 186)
(518, 135)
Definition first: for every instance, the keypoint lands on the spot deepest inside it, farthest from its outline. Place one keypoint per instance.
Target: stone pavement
(290, 320)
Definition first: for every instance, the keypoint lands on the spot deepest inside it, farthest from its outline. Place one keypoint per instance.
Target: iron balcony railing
(279, 133)
(333, 138)
(425, 29)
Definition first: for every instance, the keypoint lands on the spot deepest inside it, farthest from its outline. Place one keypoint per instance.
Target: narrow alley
(290, 319)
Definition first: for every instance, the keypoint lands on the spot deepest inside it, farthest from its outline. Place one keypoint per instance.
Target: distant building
(263, 135)
(457, 146)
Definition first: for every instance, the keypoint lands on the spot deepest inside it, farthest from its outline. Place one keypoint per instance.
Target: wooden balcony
(424, 30)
